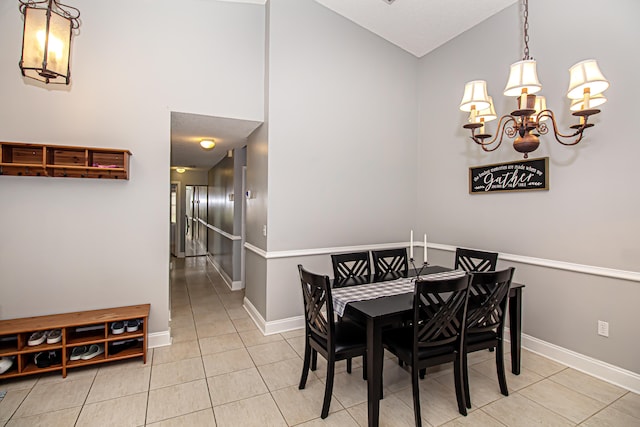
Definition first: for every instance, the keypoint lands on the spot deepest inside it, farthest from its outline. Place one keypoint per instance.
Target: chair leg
(423, 372)
(502, 378)
(458, 370)
(305, 365)
(465, 379)
(415, 386)
(349, 365)
(328, 388)
(314, 360)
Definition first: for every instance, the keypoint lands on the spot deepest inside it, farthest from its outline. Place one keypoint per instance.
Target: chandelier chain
(525, 3)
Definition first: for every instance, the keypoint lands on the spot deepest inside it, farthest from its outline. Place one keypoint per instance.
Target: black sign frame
(521, 175)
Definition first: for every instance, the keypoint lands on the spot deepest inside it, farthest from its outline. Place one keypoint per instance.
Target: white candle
(425, 248)
(411, 246)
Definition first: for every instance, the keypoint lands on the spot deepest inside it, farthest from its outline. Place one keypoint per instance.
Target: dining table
(381, 301)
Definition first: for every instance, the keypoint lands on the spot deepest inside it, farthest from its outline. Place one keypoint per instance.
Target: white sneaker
(132, 325)
(54, 336)
(37, 338)
(6, 363)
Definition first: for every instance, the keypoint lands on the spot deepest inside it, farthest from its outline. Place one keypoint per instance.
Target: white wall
(590, 214)
(78, 244)
(342, 133)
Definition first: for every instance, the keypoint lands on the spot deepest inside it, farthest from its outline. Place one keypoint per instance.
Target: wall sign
(523, 175)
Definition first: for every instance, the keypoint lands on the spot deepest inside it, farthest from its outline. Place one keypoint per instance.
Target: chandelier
(46, 40)
(529, 120)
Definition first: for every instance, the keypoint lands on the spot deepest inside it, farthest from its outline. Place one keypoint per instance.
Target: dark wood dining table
(389, 310)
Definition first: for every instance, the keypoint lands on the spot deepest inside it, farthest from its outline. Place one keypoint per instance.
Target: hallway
(221, 371)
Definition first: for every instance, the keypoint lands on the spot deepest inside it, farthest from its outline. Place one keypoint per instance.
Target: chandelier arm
(579, 133)
(501, 131)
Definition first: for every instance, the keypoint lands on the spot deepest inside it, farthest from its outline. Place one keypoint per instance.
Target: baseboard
(275, 327)
(255, 315)
(158, 339)
(594, 367)
(232, 285)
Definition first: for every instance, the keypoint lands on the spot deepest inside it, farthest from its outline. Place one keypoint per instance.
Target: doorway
(195, 243)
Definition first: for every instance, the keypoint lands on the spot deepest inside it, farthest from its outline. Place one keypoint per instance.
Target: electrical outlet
(603, 328)
(264, 230)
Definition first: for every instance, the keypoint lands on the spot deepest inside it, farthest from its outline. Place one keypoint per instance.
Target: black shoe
(42, 359)
(119, 346)
(55, 357)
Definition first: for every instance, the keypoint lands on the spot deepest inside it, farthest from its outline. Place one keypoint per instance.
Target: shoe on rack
(41, 359)
(94, 350)
(119, 346)
(6, 363)
(55, 357)
(37, 338)
(117, 328)
(54, 336)
(132, 325)
(78, 352)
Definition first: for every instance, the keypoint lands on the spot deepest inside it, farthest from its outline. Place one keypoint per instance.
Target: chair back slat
(346, 266)
(490, 291)
(318, 305)
(439, 311)
(473, 260)
(389, 261)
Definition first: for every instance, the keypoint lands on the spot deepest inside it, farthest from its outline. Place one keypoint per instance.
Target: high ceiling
(417, 26)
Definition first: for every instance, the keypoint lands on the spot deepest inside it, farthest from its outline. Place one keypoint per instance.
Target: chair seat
(349, 336)
(473, 338)
(400, 342)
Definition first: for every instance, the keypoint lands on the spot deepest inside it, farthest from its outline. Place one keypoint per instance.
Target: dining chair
(474, 260)
(387, 261)
(437, 337)
(349, 265)
(485, 321)
(335, 341)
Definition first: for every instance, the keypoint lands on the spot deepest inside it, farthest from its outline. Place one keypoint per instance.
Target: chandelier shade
(586, 75)
(46, 40)
(486, 115)
(523, 78)
(475, 96)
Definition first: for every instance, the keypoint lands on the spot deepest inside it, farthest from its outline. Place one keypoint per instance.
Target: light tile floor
(221, 371)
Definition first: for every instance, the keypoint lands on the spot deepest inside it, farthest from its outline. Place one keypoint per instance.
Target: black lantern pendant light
(46, 40)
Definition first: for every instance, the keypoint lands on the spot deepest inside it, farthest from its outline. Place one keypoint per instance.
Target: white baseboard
(594, 367)
(159, 339)
(234, 286)
(275, 327)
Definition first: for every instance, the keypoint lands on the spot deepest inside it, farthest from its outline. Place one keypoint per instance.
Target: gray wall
(106, 243)
(590, 214)
(342, 133)
(221, 213)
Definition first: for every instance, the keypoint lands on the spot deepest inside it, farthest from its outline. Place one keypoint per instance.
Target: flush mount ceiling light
(46, 40)
(181, 170)
(525, 124)
(207, 144)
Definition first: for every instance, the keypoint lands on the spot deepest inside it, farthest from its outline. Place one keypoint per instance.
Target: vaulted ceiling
(417, 26)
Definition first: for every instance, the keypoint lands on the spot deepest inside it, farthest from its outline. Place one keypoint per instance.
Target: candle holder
(413, 264)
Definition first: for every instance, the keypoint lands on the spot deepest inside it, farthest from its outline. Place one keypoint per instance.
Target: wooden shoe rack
(81, 328)
(20, 159)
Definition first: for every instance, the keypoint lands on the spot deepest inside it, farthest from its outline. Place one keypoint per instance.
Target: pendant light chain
(525, 3)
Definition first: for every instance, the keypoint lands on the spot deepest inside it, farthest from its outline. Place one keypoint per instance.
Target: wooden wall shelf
(20, 159)
(81, 328)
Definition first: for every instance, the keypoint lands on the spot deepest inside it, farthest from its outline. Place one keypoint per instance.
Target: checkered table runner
(343, 296)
